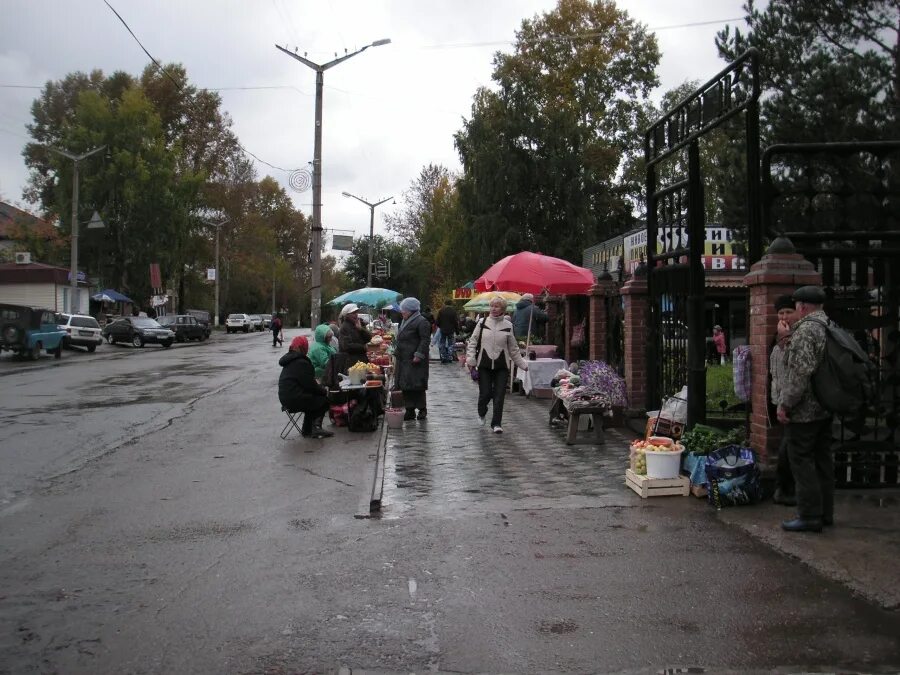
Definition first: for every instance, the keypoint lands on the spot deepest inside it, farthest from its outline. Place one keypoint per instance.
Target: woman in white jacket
(491, 350)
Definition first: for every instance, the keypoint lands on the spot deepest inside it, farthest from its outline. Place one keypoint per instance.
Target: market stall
(589, 388)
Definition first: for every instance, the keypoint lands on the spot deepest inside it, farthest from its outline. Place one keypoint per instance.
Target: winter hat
(528, 296)
(783, 302)
(300, 344)
(410, 305)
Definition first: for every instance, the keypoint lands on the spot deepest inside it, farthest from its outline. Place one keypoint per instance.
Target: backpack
(844, 381)
(362, 416)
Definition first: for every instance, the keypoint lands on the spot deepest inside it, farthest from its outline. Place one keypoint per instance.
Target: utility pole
(75, 304)
(371, 228)
(218, 226)
(316, 285)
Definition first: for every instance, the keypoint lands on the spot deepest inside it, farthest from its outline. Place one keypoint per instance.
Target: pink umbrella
(528, 272)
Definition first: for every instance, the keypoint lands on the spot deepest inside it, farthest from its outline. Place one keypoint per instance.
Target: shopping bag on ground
(733, 476)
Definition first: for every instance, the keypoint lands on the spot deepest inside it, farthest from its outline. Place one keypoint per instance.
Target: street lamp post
(218, 227)
(75, 305)
(371, 228)
(316, 285)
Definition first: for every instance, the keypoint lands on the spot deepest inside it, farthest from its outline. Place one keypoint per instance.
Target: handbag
(733, 476)
(473, 371)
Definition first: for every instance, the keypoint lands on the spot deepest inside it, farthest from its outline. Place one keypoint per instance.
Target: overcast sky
(387, 112)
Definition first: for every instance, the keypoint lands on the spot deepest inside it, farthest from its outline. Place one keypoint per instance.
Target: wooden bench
(597, 415)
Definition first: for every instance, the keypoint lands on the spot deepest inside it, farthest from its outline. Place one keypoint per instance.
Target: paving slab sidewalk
(860, 551)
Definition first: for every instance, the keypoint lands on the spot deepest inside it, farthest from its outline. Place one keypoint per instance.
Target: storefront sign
(211, 274)
(462, 293)
(718, 249)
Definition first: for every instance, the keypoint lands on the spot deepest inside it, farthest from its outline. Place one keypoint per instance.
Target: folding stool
(294, 419)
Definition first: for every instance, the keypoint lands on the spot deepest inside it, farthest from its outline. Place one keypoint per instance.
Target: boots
(410, 414)
(423, 413)
(318, 431)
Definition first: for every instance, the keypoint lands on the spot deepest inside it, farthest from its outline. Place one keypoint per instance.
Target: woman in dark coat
(411, 358)
(298, 390)
(352, 337)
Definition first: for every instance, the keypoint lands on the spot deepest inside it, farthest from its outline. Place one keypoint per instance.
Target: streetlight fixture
(371, 228)
(75, 305)
(316, 285)
(218, 227)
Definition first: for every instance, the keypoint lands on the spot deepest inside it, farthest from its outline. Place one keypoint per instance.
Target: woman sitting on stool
(298, 390)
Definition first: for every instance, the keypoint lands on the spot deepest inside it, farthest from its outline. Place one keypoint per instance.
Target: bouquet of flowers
(598, 385)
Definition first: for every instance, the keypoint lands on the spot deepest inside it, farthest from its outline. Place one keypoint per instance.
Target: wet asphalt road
(153, 522)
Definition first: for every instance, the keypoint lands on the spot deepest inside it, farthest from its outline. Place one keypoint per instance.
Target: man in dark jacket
(527, 313)
(298, 390)
(448, 324)
(808, 425)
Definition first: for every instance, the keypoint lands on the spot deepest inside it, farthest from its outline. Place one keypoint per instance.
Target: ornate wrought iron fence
(839, 204)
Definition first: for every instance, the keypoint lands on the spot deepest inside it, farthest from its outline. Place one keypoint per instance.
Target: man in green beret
(808, 425)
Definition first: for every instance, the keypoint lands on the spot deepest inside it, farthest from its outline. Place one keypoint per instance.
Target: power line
(573, 36)
(180, 86)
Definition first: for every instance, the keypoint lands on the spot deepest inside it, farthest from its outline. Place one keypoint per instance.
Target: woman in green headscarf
(321, 350)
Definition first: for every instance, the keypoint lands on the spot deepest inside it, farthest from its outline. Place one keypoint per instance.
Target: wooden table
(597, 414)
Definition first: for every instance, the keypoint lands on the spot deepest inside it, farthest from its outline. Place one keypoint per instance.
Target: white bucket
(394, 417)
(663, 464)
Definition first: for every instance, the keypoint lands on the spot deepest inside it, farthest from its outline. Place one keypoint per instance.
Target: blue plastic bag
(733, 476)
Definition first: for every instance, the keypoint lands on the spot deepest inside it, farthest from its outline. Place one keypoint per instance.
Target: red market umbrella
(528, 272)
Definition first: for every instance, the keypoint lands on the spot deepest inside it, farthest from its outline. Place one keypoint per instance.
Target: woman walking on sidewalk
(411, 357)
(491, 349)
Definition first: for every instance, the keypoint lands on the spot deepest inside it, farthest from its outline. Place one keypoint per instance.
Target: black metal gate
(839, 204)
(676, 222)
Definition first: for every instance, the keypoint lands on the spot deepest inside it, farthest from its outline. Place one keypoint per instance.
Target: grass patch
(720, 387)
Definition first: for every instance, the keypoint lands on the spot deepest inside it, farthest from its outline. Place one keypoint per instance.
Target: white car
(257, 321)
(238, 322)
(81, 330)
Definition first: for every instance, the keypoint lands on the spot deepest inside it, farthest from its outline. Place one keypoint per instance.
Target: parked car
(185, 327)
(82, 330)
(27, 330)
(236, 322)
(203, 319)
(267, 321)
(138, 331)
(257, 321)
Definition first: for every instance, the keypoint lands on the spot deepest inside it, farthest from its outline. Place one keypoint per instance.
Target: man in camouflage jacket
(808, 432)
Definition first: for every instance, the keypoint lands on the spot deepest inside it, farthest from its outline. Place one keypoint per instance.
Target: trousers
(313, 407)
(809, 450)
(445, 346)
(492, 388)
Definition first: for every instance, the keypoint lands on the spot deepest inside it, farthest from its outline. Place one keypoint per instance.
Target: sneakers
(482, 420)
(497, 429)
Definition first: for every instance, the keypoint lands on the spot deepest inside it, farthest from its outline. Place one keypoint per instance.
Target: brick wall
(635, 292)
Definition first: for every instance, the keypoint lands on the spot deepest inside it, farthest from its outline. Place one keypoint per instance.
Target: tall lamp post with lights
(316, 285)
(75, 304)
(371, 228)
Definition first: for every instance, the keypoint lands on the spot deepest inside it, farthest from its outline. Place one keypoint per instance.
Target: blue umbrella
(110, 295)
(369, 296)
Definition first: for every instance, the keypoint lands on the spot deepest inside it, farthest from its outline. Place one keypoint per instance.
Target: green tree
(542, 153)
(829, 68)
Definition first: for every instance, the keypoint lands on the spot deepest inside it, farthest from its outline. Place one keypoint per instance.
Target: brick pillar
(598, 319)
(780, 272)
(553, 309)
(635, 294)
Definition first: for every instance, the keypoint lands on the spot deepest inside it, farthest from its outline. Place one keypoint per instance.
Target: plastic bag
(675, 407)
(733, 476)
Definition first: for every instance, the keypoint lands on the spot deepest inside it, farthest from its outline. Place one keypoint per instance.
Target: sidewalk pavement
(447, 460)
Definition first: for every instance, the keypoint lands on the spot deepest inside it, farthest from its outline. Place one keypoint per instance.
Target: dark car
(138, 330)
(27, 330)
(185, 327)
(202, 317)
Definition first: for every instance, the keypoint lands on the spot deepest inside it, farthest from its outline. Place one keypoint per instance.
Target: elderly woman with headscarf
(491, 350)
(411, 358)
(352, 337)
(298, 390)
(321, 350)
